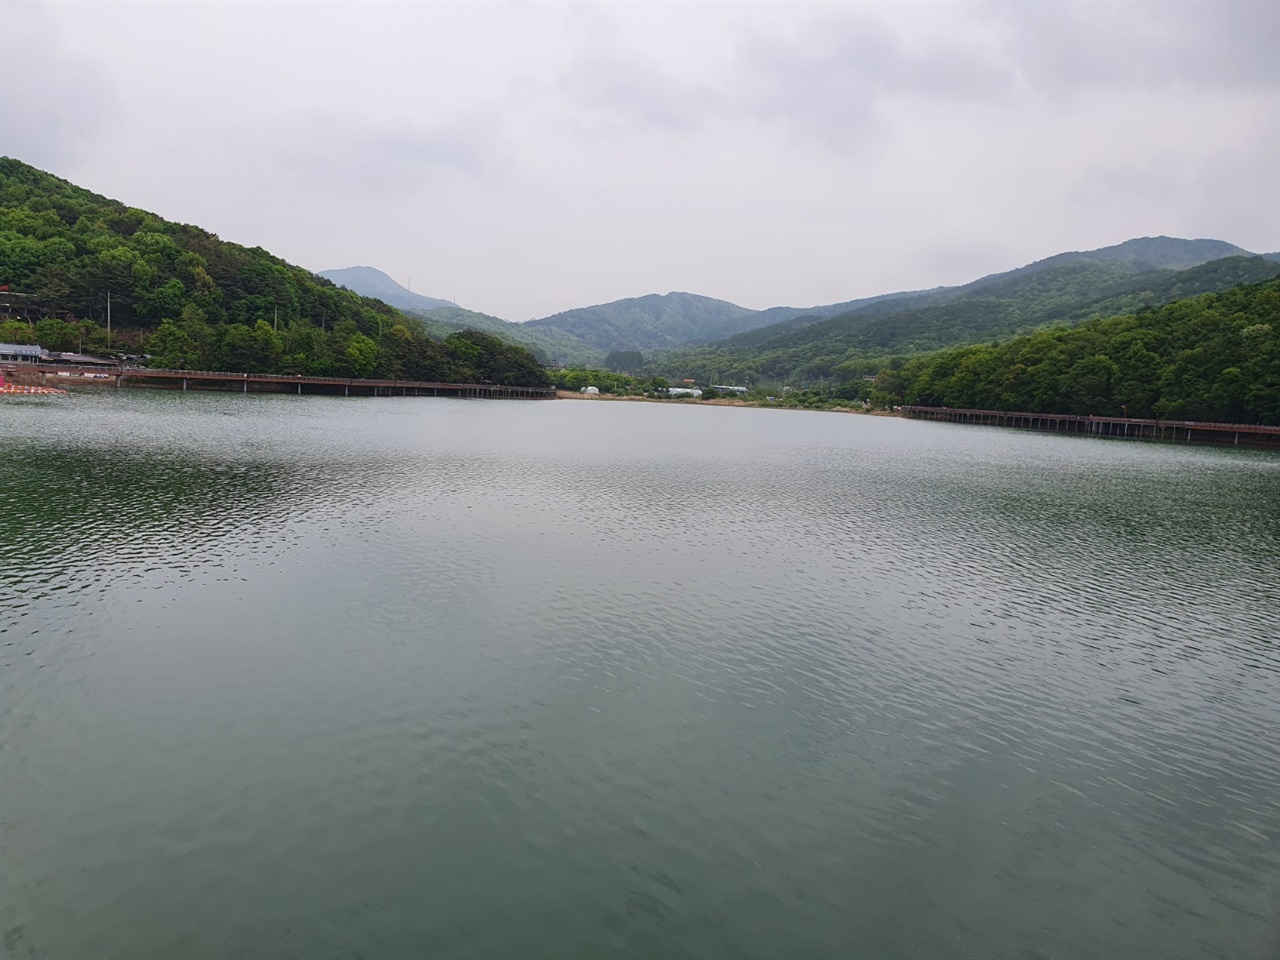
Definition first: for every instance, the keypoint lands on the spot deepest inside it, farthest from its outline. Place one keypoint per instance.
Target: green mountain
(1214, 357)
(650, 322)
(1065, 289)
(441, 317)
(369, 282)
(657, 322)
(192, 300)
(1151, 253)
(550, 346)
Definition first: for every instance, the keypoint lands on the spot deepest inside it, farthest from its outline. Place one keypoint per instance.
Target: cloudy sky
(528, 158)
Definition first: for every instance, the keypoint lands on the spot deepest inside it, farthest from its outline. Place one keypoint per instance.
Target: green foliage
(173, 348)
(646, 323)
(485, 358)
(193, 300)
(624, 361)
(838, 348)
(542, 343)
(361, 356)
(1214, 357)
(619, 384)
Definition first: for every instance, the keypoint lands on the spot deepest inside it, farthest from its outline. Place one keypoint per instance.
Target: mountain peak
(1158, 253)
(372, 282)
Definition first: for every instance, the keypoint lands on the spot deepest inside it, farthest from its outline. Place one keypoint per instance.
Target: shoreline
(721, 402)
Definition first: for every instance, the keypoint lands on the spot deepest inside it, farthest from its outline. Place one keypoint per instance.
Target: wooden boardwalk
(68, 374)
(1132, 428)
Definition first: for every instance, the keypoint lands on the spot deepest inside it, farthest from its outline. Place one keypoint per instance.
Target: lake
(312, 677)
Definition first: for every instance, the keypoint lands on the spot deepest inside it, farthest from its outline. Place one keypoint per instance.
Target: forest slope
(1068, 290)
(193, 300)
(1214, 357)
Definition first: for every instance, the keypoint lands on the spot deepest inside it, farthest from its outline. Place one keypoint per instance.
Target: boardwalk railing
(281, 382)
(1133, 428)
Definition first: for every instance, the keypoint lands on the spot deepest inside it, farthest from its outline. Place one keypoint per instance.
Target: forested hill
(681, 319)
(651, 322)
(1214, 357)
(193, 300)
(550, 346)
(1068, 290)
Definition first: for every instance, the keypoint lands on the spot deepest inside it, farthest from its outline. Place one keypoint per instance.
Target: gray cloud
(362, 157)
(834, 79)
(531, 158)
(53, 103)
(1063, 48)
(616, 91)
(828, 83)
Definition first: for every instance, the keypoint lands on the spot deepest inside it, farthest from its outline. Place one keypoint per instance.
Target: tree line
(193, 301)
(1214, 357)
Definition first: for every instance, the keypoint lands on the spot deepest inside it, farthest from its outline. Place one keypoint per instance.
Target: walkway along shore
(1121, 428)
(70, 374)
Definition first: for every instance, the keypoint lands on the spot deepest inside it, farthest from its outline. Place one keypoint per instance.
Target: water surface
(318, 677)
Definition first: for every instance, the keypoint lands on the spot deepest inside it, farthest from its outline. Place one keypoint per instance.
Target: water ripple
(321, 677)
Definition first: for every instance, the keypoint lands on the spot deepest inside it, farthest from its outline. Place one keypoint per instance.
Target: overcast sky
(528, 158)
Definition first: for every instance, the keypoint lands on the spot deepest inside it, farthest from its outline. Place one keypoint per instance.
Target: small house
(27, 352)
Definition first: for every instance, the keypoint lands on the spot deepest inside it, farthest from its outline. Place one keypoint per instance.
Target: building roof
(70, 357)
(21, 349)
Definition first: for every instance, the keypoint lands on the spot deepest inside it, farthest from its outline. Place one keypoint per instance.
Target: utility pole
(108, 319)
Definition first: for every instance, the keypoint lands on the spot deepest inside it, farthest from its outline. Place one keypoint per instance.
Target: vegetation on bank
(192, 300)
(608, 382)
(1214, 358)
(657, 388)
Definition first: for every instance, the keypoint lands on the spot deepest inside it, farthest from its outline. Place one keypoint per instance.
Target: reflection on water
(304, 676)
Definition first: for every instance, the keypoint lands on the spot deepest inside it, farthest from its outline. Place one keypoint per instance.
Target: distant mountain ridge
(371, 282)
(1153, 253)
(651, 322)
(1066, 291)
(680, 321)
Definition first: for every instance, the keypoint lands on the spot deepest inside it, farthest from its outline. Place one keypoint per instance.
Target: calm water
(309, 677)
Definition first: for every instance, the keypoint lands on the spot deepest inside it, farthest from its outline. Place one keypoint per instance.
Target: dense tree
(173, 349)
(1214, 357)
(191, 299)
(624, 361)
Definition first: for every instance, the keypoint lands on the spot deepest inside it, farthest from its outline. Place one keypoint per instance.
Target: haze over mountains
(188, 297)
(370, 282)
(1069, 286)
(860, 342)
